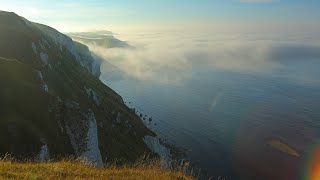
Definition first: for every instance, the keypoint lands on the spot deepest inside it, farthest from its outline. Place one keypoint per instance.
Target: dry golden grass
(78, 170)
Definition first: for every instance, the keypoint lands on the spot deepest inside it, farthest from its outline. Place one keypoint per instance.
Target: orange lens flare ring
(314, 168)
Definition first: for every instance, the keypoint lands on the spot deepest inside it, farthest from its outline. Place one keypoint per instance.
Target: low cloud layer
(173, 57)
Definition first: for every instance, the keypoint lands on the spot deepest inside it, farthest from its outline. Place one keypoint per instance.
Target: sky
(71, 15)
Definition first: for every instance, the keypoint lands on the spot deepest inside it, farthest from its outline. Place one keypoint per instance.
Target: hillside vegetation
(78, 170)
(52, 103)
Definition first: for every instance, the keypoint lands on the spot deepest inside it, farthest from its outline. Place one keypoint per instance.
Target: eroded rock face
(93, 96)
(156, 147)
(79, 51)
(44, 154)
(81, 127)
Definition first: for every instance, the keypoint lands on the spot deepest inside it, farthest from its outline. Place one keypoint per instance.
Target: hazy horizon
(206, 15)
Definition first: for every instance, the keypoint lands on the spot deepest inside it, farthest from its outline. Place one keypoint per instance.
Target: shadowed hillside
(52, 102)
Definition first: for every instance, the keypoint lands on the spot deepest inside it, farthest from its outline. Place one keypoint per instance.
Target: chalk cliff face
(156, 147)
(52, 103)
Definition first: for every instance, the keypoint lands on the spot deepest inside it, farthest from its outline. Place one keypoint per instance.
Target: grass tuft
(79, 169)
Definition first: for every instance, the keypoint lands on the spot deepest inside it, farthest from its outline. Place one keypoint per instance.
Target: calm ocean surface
(224, 118)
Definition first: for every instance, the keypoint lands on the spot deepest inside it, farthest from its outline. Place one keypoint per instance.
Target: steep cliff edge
(52, 103)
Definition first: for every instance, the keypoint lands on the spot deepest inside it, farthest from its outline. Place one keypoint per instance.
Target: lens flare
(314, 167)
